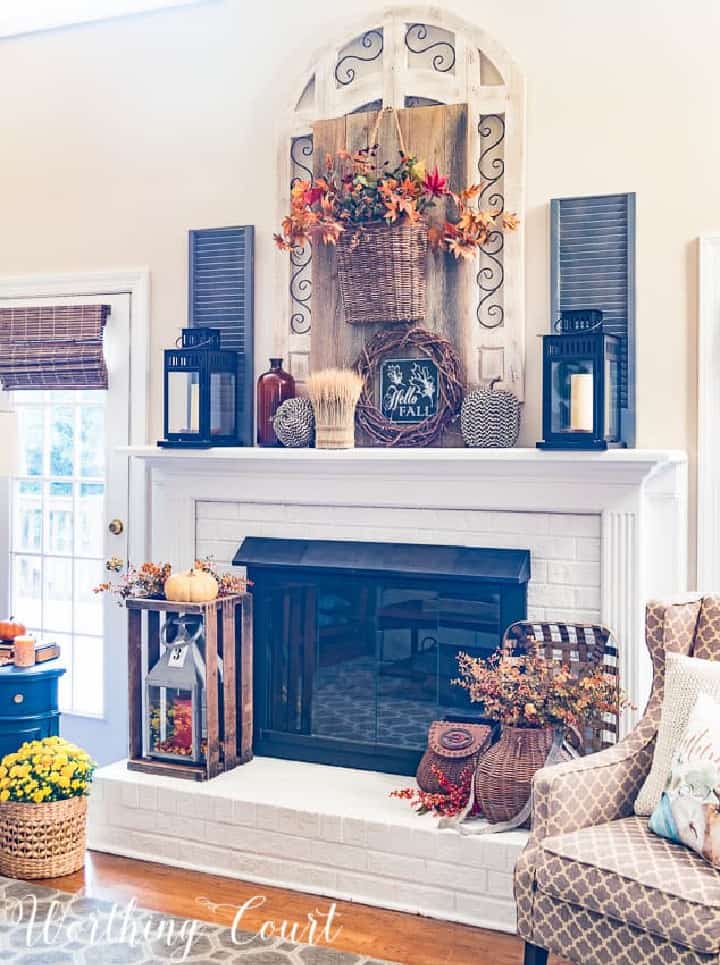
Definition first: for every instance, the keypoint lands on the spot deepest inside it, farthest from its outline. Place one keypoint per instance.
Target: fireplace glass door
(353, 671)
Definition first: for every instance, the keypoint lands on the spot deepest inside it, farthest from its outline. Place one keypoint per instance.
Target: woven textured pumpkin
(490, 418)
(294, 423)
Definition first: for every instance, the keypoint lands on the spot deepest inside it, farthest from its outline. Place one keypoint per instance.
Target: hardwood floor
(390, 935)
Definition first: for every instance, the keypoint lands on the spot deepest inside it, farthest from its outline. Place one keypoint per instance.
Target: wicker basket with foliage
(538, 702)
(374, 215)
(43, 809)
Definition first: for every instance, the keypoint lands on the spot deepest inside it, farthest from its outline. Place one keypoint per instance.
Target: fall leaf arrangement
(147, 581)
(532, 691)
(354, 192)
(520, 691)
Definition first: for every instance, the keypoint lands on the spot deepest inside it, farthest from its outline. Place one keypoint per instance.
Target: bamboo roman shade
(53, 347)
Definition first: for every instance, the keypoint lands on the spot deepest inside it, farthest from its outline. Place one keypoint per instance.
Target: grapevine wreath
(370, 419)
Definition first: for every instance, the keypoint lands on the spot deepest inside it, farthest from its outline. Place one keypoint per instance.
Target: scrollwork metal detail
(301, 148)
(300, 288)
(443, 60)
(491, 163)
(490, 280)
(373, 42)
(491, 168)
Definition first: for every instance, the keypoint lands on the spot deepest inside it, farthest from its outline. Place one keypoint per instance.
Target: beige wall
(116, 138)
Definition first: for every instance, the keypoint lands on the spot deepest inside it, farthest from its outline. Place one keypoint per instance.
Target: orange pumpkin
(9, 629)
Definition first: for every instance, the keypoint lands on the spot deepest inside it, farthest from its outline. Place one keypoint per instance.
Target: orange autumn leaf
(472, 192)
(462, 247)
(436, 236)
(387, 188)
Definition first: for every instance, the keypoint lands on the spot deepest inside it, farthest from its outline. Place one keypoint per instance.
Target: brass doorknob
(116, 526)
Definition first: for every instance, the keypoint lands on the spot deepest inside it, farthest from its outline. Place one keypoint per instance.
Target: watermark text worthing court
(55, 924)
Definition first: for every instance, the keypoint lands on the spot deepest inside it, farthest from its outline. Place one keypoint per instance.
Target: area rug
(42, 926)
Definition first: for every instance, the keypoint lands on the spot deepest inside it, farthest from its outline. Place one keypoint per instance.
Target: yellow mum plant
(51, 769)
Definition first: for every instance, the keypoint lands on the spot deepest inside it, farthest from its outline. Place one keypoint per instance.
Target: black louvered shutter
(593, 266)
(221, 296)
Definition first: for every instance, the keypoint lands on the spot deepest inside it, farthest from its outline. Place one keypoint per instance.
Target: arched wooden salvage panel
(410, 59)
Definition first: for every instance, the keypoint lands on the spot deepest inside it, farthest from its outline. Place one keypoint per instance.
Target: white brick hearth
(606, 531)
(323, 830)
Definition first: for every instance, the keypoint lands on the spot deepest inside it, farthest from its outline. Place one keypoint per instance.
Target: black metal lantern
(200, 392)
(581, 385)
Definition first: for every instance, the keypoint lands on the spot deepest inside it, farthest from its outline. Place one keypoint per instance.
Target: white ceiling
(27, 16)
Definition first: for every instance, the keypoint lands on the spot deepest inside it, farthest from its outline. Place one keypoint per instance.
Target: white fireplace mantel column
(640, 496)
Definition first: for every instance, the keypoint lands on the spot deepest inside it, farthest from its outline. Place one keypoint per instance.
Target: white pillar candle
(581, 402)
(24, 648)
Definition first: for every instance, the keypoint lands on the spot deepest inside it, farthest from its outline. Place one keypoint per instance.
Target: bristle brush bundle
(334, 394)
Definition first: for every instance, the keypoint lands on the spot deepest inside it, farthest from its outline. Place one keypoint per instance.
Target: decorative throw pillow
(689, 808)
(685, 679)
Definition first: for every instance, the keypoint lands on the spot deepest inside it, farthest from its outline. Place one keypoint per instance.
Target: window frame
(46, 479)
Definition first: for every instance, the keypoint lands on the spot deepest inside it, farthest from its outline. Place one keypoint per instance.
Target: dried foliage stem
(532, 691)
(148, 580)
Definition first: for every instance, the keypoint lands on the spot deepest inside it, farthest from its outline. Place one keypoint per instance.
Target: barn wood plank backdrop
(438, 136)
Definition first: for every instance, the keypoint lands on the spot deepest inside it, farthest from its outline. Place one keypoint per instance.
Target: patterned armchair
(594, 885)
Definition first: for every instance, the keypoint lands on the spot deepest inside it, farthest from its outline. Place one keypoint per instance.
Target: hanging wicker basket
(42, 840)
(380, 266)
(381, 272)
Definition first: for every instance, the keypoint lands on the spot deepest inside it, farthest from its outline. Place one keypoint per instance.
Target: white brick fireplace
(606, 531)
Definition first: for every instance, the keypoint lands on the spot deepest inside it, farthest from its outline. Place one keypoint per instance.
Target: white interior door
(70, 485)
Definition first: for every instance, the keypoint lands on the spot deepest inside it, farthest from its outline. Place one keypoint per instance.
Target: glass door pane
(57, 534)
(344, 700)
(407, 665)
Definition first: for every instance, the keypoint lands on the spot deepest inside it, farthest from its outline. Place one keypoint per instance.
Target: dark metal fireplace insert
(356, 644)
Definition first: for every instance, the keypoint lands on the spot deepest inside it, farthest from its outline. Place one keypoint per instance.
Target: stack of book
(43, 651)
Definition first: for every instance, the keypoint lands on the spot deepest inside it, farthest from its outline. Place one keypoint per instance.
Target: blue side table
(28, 704)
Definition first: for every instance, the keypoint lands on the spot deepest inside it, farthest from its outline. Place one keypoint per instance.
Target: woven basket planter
(381, 272)
(42, 840)
(504, 775)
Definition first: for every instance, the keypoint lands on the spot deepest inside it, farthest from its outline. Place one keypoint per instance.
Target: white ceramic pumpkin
(192, 586)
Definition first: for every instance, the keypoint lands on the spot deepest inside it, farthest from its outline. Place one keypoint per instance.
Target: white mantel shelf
(378, 456)
(511, 479)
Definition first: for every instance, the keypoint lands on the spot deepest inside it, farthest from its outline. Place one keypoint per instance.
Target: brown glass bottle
(273, 388)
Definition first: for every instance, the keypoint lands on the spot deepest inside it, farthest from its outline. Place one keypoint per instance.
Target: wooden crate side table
(227, 625)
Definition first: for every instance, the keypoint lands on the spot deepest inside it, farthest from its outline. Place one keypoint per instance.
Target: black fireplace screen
(356, 644)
